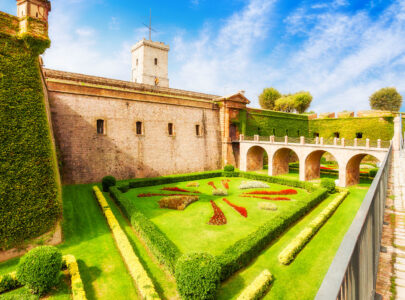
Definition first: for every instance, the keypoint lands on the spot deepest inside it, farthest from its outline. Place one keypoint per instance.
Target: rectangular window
(139, 129)
(316, 134)
(337, 135)
(286, 132)
(170, 129)
(100, 126)
(274, 131)
(298, 133)
(359, 135)
(156, 61)
(197, 130)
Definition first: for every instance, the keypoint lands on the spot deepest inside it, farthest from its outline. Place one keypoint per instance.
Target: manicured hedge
(243, 251)
(143, 182)
(78, 292)
(9, 282)
(258, 288)
(29, 188)
(369, 175)
(140, 276)
(162, 248)
(299, 242)
(197, 276)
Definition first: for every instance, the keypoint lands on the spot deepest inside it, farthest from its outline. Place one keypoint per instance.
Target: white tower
(150, 63)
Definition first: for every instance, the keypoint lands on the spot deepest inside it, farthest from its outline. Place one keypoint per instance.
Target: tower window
(170, 129)
(139, 128)
(36, 15)
(337, 135)
(359, 135)
(100, 126)
(156, 61)
(198, 130)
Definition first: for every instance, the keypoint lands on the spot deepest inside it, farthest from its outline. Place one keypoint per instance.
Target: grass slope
(302, 278)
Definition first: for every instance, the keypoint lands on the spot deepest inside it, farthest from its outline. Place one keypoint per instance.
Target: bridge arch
(254, 158)
(280, 161)
(353, 168)
(312, 164)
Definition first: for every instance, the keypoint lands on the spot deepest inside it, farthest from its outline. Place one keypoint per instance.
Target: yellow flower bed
(299, 242)
(258, 287)
(77, 284)
(135, 268)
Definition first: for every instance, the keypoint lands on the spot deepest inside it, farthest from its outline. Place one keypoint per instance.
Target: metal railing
(353, 272)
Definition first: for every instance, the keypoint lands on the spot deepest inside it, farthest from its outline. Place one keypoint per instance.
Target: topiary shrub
(229, 168)
(39, 269)
(197, 276)
(329, 184)
(373, 172)
(107, 182)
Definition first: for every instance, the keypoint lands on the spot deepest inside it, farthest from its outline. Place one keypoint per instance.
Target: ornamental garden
(211, 235)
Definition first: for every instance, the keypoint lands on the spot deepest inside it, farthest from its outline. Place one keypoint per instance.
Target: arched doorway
(254, 159)
(353, 167)
(320, 160)
(282, 159)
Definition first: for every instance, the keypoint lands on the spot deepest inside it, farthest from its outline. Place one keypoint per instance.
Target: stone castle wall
(87, 156)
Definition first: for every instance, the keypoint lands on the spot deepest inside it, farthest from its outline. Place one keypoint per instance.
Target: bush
(197, 276)
(373, 172)
(177, 202)
(161, 247)
(229, 168)
(39, 269)
(258, 288)
(243, 251)
(329, 184)
(143, 283)
(107, 182)
(299, 242)
(8, 282)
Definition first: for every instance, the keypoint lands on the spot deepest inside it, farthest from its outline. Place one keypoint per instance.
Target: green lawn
(185, 228)
(104, 274)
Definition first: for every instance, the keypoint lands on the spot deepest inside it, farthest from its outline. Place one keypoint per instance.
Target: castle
(143, 128)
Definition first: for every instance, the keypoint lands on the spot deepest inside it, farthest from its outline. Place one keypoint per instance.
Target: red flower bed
(218, 218)
(327, 168)
(176, 189)
(239, 209)
(154, 194)
(225, 183)
(266, 198)
(282, 192)
(211, 183)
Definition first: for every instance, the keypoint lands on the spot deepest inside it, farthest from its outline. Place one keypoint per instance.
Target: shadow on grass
(88, 275)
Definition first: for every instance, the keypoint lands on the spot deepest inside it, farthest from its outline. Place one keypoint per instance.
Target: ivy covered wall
(29, 187)
(371, 127)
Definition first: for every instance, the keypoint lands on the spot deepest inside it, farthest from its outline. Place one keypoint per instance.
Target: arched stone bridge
(348, 155)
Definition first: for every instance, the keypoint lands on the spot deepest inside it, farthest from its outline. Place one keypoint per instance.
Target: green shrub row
(29, 188)
(162, 248)
(258, 288)
(143, 182)
(328, 184)
(243, 251)
(9, 282)
(299, 242)
(197, 276)
(371, 174)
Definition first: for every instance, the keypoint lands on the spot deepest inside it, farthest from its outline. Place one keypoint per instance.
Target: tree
(302, 101)
(285, 104)
(386, 99)
(268, 98)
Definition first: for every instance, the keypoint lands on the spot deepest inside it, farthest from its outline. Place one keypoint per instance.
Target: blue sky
(339, 50)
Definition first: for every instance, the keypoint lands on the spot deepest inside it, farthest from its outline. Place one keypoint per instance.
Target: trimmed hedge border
(237, 255)
(335, 173)
(162, 248)
(240, 254)
(299, 242)
(78, 292)
(258, 288)
(9, 281)
(140, 276)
